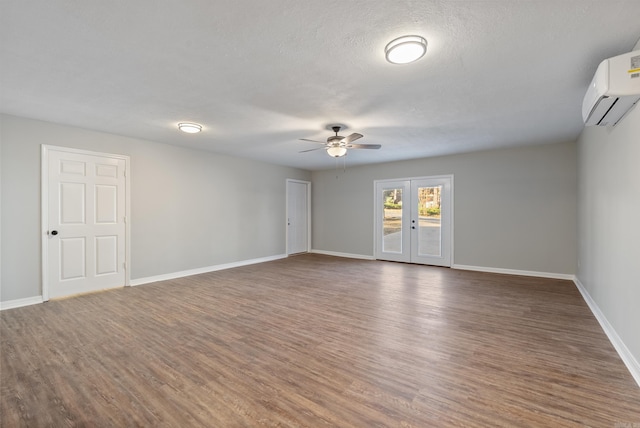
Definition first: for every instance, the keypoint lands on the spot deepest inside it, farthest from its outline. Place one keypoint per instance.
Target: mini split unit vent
(615, 88)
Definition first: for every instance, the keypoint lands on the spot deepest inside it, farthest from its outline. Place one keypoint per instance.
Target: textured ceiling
(260, 75)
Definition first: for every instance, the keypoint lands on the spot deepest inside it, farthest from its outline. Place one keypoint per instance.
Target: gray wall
(513, 208)
(189, 208)
(609, 224)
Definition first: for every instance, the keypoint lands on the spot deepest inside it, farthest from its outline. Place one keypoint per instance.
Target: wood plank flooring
(316, 341)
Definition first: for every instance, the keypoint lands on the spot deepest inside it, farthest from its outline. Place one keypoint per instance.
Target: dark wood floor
(317, 341)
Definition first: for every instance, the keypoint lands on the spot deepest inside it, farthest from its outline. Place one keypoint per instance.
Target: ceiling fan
(336, 145)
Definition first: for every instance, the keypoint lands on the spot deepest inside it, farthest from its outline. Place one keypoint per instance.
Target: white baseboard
(516, 272)
(182, 274)
(18, 303)
(626, 355)
(347, 255)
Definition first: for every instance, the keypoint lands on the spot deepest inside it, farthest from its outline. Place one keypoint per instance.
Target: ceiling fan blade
(313, 141)
(364, 146)
(310, 150)
(353, 137)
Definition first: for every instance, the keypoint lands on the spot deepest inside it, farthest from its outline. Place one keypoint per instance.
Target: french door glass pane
(429, 222)
(392, 221)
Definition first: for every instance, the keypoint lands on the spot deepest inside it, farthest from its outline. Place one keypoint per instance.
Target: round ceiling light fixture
(190, 128)
(336, 151)
(405, 49)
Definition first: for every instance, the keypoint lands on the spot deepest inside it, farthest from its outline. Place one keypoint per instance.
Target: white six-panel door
(84, 222)
(298, 218)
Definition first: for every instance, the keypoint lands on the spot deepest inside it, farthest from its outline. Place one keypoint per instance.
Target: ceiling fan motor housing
(335, 140)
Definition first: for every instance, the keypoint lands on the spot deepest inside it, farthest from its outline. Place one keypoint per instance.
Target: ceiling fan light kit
(336, 151)
(405, 49)
(190, 128)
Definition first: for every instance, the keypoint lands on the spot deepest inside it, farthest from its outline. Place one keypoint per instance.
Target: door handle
(54, 232)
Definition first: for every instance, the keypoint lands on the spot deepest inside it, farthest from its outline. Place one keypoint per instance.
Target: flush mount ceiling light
(190, 128)
(405, 49)
(337, 151)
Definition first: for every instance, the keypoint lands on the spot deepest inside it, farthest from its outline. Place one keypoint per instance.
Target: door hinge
(124, 265)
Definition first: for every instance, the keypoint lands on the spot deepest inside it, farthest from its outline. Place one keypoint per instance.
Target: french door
(414, 220)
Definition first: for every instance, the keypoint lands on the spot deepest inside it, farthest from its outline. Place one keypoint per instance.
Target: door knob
(54, 232)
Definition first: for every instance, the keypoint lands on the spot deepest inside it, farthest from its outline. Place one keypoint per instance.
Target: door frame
(377, 221)
(286, 213)
(44, 207)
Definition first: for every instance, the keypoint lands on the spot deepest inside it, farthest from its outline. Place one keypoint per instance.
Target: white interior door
(84, 222)
(414, 220)
(298, 221)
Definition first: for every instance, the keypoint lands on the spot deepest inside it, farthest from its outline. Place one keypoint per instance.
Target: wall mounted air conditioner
(615, 88)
